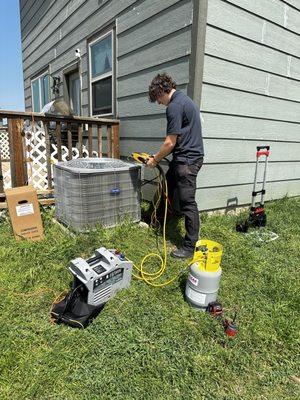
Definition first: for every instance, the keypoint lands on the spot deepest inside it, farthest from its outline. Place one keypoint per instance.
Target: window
(40, 90)
(101, 75)
(74, 92)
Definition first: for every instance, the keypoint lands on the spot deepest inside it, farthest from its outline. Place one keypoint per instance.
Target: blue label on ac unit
(115, 191)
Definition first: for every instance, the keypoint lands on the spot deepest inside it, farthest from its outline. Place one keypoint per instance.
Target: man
(184, 141)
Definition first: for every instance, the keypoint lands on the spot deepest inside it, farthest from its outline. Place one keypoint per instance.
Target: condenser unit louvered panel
(91, 191)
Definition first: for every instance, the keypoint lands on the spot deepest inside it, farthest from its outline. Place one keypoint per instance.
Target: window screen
(36, 96)
(101, 75)
(101, 57)
(102, 96)
(40, 88)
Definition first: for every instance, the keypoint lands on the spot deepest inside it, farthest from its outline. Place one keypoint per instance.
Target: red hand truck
(257, 216)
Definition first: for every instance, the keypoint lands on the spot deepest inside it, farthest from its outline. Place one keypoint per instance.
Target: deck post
(17, 162)
(116, 146)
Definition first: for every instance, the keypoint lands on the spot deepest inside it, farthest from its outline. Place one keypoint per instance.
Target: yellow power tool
(141, 157)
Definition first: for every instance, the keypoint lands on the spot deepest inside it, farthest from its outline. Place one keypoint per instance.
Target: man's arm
(165, 149)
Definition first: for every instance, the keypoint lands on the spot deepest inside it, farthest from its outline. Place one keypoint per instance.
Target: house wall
(151, 36)
(250, 96)
(250, 92)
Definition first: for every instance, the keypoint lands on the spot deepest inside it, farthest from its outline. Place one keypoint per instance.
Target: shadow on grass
(182, 284)
(173, 225)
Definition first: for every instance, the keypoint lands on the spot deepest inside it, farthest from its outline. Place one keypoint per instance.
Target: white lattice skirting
(36, 156)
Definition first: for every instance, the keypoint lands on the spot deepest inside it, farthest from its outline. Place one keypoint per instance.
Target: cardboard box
(25, 213)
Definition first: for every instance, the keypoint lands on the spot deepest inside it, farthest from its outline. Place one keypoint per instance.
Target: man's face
(163, 99)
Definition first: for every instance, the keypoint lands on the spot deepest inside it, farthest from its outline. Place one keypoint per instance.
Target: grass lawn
(148, 343)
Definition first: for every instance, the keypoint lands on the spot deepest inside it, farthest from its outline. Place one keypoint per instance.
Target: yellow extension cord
(149, 277)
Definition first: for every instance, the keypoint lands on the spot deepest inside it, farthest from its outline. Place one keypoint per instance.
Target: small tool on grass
(215, 309)
(230, 327)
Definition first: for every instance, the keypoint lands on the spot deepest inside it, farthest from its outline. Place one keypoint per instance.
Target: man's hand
(151, 162)
(165, 149)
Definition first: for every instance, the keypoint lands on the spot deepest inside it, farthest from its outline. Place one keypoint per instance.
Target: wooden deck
(31, 143)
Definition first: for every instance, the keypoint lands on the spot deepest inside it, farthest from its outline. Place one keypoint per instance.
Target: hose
(151, 277)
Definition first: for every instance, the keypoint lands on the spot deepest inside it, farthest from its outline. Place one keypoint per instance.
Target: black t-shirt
(183, 117)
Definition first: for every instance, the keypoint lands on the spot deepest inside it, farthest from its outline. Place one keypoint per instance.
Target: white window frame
(103, 76)
(40, 89)
(68, 88)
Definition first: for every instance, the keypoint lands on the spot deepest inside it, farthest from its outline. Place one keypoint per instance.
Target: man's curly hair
(161, 83)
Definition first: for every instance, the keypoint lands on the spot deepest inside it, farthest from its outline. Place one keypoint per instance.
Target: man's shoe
(182, 253)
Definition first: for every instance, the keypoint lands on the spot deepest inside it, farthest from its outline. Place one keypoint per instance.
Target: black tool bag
(73, 310)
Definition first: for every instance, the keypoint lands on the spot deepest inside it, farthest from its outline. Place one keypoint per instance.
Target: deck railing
(31, 143)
